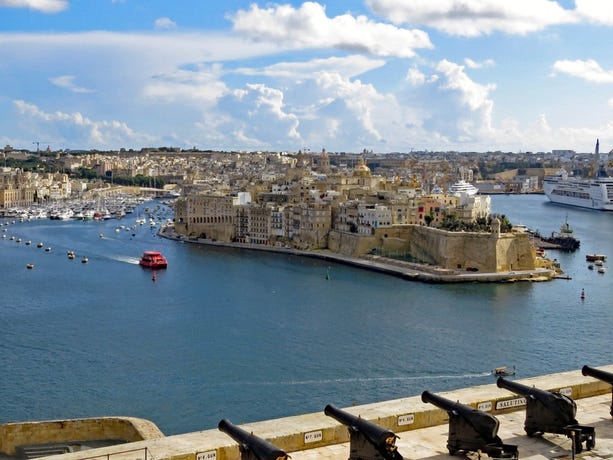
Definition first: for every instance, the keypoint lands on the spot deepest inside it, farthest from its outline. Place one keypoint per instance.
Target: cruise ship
(463, 187)
(585, 193)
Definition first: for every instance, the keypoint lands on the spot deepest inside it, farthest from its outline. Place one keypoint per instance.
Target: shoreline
(406, 270)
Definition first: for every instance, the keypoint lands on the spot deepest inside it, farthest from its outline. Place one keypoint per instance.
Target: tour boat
(595, 257)
(503, 371)
(153, 259)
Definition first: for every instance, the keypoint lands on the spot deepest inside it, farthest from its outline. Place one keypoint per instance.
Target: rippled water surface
(252, 336)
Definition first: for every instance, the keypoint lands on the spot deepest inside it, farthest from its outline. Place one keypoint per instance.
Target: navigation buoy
(582, 294)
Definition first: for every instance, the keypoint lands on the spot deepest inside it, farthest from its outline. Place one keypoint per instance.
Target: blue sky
(382, 75)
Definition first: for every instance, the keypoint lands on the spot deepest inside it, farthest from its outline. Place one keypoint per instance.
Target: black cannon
(551, 412)
(471, 430)
(367, 440)
(251, 447)
(600, 375)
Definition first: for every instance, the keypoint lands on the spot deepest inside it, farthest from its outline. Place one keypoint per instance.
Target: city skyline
(382, 75)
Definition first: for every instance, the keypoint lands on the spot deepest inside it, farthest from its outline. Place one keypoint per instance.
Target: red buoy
(582, 294)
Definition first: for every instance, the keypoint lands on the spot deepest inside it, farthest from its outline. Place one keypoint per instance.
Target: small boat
(599, 263)
(590, 266)
(39, 245)
(28, 243)
(47, 249)
(30, 266)
(153, 259)
(84, 260)
(503, 371)
(71, 255)
(595, 257)
(601, 269)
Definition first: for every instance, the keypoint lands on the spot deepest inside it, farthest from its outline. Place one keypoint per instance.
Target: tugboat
(564, 239)
(153, 259)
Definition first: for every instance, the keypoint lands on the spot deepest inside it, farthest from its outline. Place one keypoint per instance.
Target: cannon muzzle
(600, 375)
(382, 440)
(252, 447)
(597, 373)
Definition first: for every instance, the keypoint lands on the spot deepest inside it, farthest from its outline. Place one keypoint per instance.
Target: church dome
(361, 169)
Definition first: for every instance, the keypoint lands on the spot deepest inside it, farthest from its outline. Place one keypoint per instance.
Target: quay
(422, 428)
(403, 269)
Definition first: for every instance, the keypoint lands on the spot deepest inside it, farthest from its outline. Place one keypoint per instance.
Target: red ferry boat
(153, 259)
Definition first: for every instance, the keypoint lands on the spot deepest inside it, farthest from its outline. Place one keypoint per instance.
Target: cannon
(471, 429)
(251, 446)
(551, 412)
(600, 375)
(367, 440)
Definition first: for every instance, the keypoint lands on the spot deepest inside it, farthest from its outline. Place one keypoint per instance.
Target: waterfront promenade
(403, 269)
(422, 428)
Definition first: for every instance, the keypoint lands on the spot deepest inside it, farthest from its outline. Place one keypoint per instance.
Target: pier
(421, 427)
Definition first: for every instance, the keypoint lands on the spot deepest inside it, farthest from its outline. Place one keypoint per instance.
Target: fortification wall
(484, 252)
(127, 429)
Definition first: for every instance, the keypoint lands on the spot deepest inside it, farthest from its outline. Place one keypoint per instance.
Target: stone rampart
(484, 252)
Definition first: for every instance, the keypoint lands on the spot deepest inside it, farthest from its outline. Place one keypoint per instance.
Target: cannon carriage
(551, 412)
(367, 440)
(471, 430)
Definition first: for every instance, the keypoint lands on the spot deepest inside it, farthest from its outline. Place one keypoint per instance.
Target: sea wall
(484, 252)
(126, 429)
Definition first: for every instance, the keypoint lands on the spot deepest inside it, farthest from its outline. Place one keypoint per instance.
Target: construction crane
(38, 145)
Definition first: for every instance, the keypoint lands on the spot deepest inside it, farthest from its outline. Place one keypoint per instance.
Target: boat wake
(369, 379)
(126, 259)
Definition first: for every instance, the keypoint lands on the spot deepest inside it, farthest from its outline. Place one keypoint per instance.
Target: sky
(382, 75)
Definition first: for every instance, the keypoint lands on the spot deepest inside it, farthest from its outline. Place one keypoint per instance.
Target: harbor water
(246, 335)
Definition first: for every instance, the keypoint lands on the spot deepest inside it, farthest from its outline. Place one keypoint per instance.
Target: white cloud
(478, 65)
(597, 11)
(415, 77)
(165, 23)
(475, 17)
(256, 114)
(200, 87)
(67, 81)
(348, 66)
(44, 6)
(309, 27)
(77, 129)
(588, 70)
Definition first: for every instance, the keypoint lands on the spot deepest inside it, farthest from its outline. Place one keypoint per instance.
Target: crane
(38, 145)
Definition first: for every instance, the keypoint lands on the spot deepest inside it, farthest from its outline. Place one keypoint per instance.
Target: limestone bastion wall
(485, 252)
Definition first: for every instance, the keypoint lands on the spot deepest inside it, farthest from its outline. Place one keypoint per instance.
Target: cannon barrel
(485, 424)
(251, 444)
(599, 374)
(524, 390)
(376, 434)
